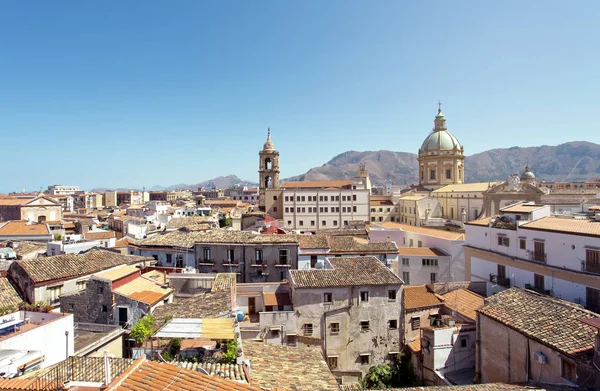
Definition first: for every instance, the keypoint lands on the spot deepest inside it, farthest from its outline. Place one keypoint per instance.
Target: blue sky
(134, 93)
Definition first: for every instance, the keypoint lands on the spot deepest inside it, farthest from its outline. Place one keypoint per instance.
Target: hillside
(573, 161)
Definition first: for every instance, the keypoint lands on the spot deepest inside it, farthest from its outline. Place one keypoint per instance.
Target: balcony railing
(539, 257)
(231, 263)
(206, 262)
(283, 265)
(503, 281)
(538, 290)
(590, 267)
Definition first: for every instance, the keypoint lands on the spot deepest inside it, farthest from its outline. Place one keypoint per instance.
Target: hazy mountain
(571, 161)
(222, 182)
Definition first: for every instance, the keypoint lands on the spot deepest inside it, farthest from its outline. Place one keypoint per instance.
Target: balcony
(539, 257)
(258, 265)
(284, 265)
(231, 263)
(590, 267)
(538, 290)
(206, 262)
(503, 281)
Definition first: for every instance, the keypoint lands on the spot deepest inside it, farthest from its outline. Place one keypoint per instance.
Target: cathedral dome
(527, 174)
(440, 139)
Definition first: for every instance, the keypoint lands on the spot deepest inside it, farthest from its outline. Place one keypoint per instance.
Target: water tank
(239, 315)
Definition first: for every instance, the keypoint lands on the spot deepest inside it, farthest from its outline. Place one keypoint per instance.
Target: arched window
(268, 164)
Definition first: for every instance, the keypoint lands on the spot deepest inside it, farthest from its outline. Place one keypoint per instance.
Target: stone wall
(91, 305)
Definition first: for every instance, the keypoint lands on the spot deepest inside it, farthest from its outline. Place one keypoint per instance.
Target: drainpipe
(66, 344)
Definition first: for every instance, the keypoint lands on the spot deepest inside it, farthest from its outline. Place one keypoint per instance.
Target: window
(312, 222)
(364, 359)
(81, 285)
(289, 222)
(364, 296)
(411, 243)
(522, 244)
(354, 208)
(297, 198)
(592, 260)
(372, 218)
(464, 342)
(332, 362)
(393, 324)
(323, 222)
(432, 175)
(274, 198)
(308, 328)
(206, 254)
(100, 290)
(354, 198)
(259, 255)
(503, 241)
(448, 173)
(54, 293)
(415, 323)
(301, 223)
(392, 294)
(283, 257)
(567, 370)
(539, 251)
(406, 278)
(592, 299)
(169, 260)
(104, 308)
(335, 328)
(345, 222)
(230, 255)
(429, 262)
(419, 244)
(320, 198)
(538, 281)
(328, 297)
(364, 325)
(432, 277)
(501, 271)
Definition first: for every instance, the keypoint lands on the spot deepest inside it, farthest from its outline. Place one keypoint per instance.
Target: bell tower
(268, 170)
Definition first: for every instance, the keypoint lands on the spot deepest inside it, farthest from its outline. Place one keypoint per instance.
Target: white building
(430, 251)
(63, 190)
(528, 248)
(34, 340)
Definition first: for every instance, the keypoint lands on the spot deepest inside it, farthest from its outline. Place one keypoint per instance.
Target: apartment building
(253, 257)
(424, 252)
(88, 201)
(527, 247)
(345, 306)
(63, 190)
(544, 340)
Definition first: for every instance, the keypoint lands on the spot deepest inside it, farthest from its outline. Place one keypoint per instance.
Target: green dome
(440, 139)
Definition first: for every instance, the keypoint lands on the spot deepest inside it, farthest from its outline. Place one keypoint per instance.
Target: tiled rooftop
(418, 296)
(347, 271)
(438, 233)
(565, 225)
(223, 282)
(207, 305)
(421, 251)
(234, 372)
(187, 239)
(8, 294)
(23, 227)
(520, 208)
(288, 367)
(187, 221)
(554, 322)
(464, 302)
(118, 272)
(144, 290)
(24, 248)
(67, 266)
(99, 235)
(151, 376)
(345, 244)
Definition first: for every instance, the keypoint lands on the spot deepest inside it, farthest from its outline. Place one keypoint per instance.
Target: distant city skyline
(141, 94)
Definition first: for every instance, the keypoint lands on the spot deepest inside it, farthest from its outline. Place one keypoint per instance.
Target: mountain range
(572, 161)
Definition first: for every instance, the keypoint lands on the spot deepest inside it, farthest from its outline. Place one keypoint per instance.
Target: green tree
(225, 222)
(230, 354)
(143, 328)
(379, 376)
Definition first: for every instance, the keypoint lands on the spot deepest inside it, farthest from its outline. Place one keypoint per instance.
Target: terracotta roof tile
(208, 305)
(223, 282)
(554, 322)
(312, 242)
(187, 238)
(418, 296)
(234, 372)
(23, 227)
(66, 266)
(421, 251)
(463, 301)
(99, 235)
(288, 367)
(151, 375)
(566, 225)
(8, 294)
(347, 271)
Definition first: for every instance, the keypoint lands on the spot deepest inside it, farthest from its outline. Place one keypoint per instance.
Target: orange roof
(484, 222)
(595, 208)
(415, 345)
(151, 375)
(520, 208)
(315, 184)
(21, 227)
(418, 296)
(438, 233)
(422, 251)
(381, 202)
(585, 227)
(12, 201)
(464, 302)
(99, 235)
